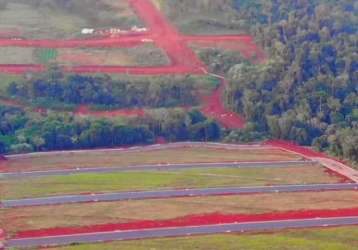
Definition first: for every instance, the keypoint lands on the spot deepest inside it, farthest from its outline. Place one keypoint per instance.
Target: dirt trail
(213, 107)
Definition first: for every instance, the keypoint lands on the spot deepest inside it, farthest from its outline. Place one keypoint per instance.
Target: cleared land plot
(135, 181)
(65, 160)
(340, 238)
(87, 214)
(25, 18)
(144, 55)
(202, 17)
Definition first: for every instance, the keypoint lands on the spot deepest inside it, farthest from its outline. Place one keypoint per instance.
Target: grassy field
(25, 18)
(130, 181)
(61, 160)
(86, 56)
(86, 214)
(203, 17)
(341, 238)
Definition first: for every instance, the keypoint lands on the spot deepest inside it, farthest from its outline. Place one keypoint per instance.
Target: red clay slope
(3, 166)
(309, 153)
(213, 107)
(193, 220)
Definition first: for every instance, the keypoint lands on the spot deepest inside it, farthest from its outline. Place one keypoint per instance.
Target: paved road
(173, 193)
(156, 167)
(181, 231)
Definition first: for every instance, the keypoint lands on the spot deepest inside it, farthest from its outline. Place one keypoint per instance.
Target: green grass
(344, 238)
(129, 181)
(46, 55)
(207, 17)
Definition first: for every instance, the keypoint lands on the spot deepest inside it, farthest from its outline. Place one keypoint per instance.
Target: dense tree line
(105, 91)
(308, 89)
(26, 132)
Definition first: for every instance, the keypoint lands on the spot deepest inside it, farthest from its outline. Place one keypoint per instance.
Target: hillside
(178, 124)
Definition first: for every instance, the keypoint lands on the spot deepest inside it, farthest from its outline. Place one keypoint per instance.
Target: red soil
(295, 148)
(11, 103)
(78, 58)
(84, 110)
(193, 220)
(122, 41)
(8, 33)
(3, 167)
(343, 178)
(213, 107)
(161, 140)
(309, 153)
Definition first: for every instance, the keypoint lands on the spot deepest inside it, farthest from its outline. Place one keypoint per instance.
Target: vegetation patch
(64, 19)
(46, 55)
(60, 160)
(130, 181)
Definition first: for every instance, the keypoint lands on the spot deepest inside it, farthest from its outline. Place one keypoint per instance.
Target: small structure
(87, 31)
(138, 29)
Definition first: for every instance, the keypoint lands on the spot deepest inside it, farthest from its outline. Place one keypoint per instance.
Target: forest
(22, 132)
(307, 91)
(104, 92)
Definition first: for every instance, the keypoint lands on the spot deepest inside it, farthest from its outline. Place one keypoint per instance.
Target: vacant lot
(52, 19)
(203, 17)
(73, 215)
(342, 238)
(86, 56)
(130, 181)
(114, 158)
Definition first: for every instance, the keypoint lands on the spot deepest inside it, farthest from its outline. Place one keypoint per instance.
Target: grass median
(152, 180)
(113, 158)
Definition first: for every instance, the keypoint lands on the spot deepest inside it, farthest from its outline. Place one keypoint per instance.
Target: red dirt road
(213, 107)
(165, 36)
(193, 220)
